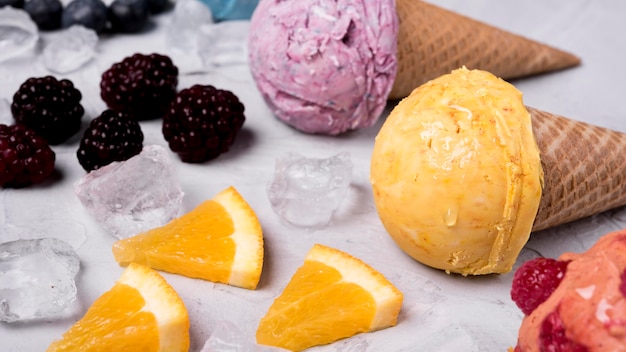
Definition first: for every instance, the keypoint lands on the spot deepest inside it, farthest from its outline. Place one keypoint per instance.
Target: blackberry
(25, 157)
(128, 16)
(202, 122)
(535, 281)
(141, 85)
(112, 136)
(45, 13)
(18, 4)
(50, 107)
(88, 13)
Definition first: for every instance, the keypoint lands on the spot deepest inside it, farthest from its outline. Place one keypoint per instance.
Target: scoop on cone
(462, 172)
(433, 41)
(328, 67)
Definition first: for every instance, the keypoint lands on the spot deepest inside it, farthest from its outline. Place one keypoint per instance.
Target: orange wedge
(141, 312)
(330, 297)
(220, 240)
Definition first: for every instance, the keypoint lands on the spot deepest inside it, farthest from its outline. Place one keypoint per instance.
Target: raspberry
(48, 106)
(141, 85)
(202, 122)
(25, 157)
(535, 281)
(552, 336)
(112, 136)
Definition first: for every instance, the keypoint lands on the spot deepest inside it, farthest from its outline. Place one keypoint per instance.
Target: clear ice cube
(188, 16)
(223, 43)
(70, 49)
(132, 196)
(181, 35)
(305, 191)
(36, 278)
(18, 33)
(226, 337)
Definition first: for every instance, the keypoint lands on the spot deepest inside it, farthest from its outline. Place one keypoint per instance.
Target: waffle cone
(584, 169)
(433, 41)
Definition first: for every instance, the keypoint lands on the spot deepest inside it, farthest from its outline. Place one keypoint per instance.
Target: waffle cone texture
(433, 41)
(584, 169)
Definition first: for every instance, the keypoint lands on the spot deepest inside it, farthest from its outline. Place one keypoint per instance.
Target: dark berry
(45, 13)
(18, 4)
(91, 14)
(141, 85)
(535, 281)
(158, 6)
(49, 106)
(112, 136)
(128, 16)
(25, 157)
(552, 336)
(202, 122)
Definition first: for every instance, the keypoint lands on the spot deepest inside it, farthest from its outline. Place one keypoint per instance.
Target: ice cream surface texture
(588, 307)
(324, 66)
(456, 174)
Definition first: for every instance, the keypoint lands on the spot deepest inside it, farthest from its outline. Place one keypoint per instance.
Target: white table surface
(441, 312)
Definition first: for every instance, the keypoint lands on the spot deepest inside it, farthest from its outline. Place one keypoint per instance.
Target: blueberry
(45, 13)
(157, 6)
(18, 4)
(128, 16)
(89, 13)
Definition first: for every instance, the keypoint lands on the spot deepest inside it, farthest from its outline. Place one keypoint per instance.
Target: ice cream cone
(433, 41)
(584, 169)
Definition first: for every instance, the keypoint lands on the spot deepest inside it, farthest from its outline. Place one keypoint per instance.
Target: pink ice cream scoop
(324, 66)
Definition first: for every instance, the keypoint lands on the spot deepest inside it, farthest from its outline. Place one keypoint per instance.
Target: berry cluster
(199, 123)
(121, 16)
(50, 107)
(25, 158)
(202, 123)
(141, 85)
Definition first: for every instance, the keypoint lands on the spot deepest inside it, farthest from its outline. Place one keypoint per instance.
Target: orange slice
(141, 312)
(331, 296)
(220, 240)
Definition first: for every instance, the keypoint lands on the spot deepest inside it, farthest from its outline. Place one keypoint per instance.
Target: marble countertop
(441, 312)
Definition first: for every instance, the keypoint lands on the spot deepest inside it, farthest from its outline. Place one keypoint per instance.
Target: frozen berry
(45, 13)
(49, 106)
(18, 4)
(535, 281)
(552, 336)
(128, 16)
(91, 14)
(202, 122)
(141, 85)
(158, 6)
(25, 157)
(112, 136)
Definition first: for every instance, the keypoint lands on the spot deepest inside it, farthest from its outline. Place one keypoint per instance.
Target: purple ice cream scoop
(324, 66)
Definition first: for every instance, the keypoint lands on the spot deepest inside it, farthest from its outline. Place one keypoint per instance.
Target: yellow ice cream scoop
(456, 174)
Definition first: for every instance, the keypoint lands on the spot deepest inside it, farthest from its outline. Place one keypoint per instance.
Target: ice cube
(226, 337)
(18, 33)
(70, 49)
(188, 16)
(132, 196)
(223, 43)
(306, 191)
(36, 278)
